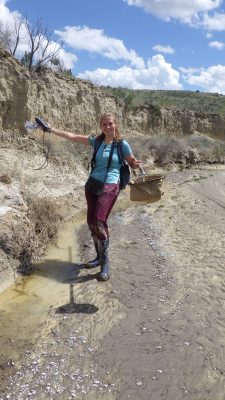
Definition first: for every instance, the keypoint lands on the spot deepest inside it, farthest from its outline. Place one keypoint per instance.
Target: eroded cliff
(76, 105)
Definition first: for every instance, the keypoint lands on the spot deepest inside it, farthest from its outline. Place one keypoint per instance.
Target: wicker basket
(147, 188)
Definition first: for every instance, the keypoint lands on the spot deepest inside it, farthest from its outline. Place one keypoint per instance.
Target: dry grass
(29, 238)
(189, 150)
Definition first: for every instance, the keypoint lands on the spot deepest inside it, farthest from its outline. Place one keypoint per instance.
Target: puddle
(25, 304)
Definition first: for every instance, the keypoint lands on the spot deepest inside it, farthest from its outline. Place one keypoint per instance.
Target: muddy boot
(104, 256)
(96, 262)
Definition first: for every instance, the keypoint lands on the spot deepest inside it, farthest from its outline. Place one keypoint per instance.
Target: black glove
(42, 124)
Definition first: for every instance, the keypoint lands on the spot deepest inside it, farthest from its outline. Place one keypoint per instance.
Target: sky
(137, 44)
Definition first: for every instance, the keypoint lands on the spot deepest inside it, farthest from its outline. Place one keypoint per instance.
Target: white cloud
(69, 59)
(95, 41)
(190, 70)
(211, 79)
(215, 22)
(217, 45)
(197, 13)
(7, 16)
(7, 19)
(158, 74)
(183, 10)
(163, 49)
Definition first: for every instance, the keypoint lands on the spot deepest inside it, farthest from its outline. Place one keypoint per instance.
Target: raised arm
(70, 136)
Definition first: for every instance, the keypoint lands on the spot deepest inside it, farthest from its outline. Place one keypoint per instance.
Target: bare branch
(5, 37)
(17, 34)
(42, 48)
(10, 35)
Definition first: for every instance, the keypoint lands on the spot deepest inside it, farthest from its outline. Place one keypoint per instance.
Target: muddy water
(24, 305)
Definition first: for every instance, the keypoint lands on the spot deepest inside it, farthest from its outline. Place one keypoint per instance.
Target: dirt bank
(156, 329)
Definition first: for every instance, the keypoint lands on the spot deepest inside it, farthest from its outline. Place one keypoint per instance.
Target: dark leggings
(99, 208)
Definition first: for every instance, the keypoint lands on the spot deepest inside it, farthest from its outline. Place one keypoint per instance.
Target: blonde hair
(110, 115)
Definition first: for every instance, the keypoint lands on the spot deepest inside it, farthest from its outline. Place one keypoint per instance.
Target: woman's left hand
(133, 163)
(136, 164)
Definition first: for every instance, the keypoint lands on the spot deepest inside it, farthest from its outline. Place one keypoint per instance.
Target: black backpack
(124, 169)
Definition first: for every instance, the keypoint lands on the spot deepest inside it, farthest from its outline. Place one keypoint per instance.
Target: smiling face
(108, 126)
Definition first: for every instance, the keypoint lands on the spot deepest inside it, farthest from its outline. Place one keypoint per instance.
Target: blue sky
(139, 44)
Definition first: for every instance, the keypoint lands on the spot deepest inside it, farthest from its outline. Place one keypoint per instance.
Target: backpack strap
(96, 148)
(120, 151)
(124, 168)
(110, 156)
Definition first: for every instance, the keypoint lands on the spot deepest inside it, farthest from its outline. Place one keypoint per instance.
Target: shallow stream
(25, 304)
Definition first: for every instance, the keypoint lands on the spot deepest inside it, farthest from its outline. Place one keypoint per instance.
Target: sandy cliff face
(65, 102)
(76, 105)
(151, 120)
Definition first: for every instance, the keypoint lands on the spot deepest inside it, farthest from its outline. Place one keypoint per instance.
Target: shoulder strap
(96, 148)
(110, 159)
(120, 151)
(110, 155)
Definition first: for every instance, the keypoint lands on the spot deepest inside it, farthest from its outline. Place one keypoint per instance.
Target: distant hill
(175, 99)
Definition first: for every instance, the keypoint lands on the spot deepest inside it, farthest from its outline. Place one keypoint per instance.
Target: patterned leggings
(99, 208)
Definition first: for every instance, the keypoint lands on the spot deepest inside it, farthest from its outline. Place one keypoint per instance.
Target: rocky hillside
(76, 105)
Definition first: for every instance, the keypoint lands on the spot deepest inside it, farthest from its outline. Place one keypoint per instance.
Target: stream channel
(25, 304)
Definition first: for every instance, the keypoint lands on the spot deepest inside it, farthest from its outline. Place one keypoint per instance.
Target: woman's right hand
(42, 124)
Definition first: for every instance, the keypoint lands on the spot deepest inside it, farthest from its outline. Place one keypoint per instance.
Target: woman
(105, 173)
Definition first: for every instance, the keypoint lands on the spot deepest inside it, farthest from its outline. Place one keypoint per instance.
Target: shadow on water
(67, 273)
(24, 306)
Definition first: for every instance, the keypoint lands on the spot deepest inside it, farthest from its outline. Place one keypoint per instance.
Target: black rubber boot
(104, 257)
(96, 262)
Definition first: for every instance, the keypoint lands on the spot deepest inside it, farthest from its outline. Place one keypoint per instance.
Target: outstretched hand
(43, 124)
(136, 164)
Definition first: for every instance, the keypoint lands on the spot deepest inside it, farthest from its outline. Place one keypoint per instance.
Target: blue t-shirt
(101, 161)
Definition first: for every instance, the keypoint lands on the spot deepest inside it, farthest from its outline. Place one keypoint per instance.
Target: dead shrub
(218, 152)
(164, 150)
(187, 150)
(28, 239)
(168, 149)
(210, 149)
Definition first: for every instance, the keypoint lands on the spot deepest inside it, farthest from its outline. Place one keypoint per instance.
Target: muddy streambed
(155, 330)
(25, 304)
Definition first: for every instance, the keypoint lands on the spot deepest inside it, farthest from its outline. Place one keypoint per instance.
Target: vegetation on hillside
(176, 99)
(185, 152)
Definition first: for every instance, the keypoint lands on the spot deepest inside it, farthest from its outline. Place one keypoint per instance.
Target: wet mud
(156, 329)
